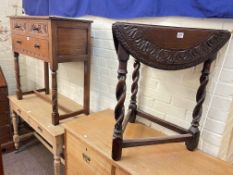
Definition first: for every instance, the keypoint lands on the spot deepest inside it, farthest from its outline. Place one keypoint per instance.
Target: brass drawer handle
(86, 158)
(19, 42)
(34, 28)
(17, 26)
(37, 45)
(40, 129)
(19, 111)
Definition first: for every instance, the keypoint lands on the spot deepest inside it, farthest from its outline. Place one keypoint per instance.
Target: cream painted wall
(8, 8)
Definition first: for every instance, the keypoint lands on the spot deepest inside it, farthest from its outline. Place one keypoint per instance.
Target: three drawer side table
(53, 40)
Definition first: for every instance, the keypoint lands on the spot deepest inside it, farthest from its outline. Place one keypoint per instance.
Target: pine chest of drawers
(88, 145)
(5, 126)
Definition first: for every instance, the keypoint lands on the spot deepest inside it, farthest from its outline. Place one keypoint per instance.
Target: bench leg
(15, 127)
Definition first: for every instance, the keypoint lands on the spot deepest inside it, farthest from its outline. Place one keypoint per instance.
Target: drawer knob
(19, 42)
(40, 129)
(19, 111)
(34, 28)
(17, 26)
(86, 158)
(37, 45)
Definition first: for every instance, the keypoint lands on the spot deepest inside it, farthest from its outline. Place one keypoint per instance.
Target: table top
(40, 110)
(50, 18)
(166, 159)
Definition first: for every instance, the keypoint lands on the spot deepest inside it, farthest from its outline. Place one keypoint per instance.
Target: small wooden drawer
(20, 43)
(41, 130)
(38, 28)
(83, 160)
(39, 48)
(20, 112)
(19, 26)
(5, 134)
(31, 46)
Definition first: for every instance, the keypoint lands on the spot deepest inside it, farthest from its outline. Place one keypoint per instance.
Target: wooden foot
(57, 165)
(15, 127)
(57, 151)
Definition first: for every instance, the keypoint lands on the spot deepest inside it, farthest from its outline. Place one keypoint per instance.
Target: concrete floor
(34, 160)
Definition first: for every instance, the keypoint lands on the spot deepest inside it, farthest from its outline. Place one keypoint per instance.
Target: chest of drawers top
(51, 39)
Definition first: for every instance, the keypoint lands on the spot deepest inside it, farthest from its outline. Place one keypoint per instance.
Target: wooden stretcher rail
(72, 114)
(46, 98)
(162, 122)
(155, 140)
(31, 92)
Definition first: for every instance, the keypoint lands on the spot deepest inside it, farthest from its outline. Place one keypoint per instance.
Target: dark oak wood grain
(53, 40)
(1, 163)
(169, 48)
(5, 122)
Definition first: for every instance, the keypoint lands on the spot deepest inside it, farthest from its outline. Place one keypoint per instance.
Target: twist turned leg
(192, 143)
(15, 127)
(134, 91)
(120, 108)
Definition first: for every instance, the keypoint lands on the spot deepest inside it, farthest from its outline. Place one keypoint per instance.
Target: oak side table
(53, 40)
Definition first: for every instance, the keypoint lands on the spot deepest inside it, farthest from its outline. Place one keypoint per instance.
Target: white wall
(8, 8)
(158, 94)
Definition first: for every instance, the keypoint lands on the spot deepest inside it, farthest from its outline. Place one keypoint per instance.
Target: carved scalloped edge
(130, 36)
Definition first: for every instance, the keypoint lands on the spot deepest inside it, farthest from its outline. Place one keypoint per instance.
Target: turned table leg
(15, 127)
(55, 114)
(17, 75)
(57, 151)
(86, 102)
(46, 77)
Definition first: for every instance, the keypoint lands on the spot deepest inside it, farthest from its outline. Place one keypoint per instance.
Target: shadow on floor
(35, 160)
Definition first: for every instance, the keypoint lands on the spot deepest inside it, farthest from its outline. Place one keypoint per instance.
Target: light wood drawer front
(39, 48)
(20, 43)
(41, 131)
(38, 28)
(20, 112)
(18, 26)
(82, 160)
(25, 115)
(31, 46)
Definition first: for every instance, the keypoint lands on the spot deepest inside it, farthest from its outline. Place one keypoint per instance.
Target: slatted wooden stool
(167, 48)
